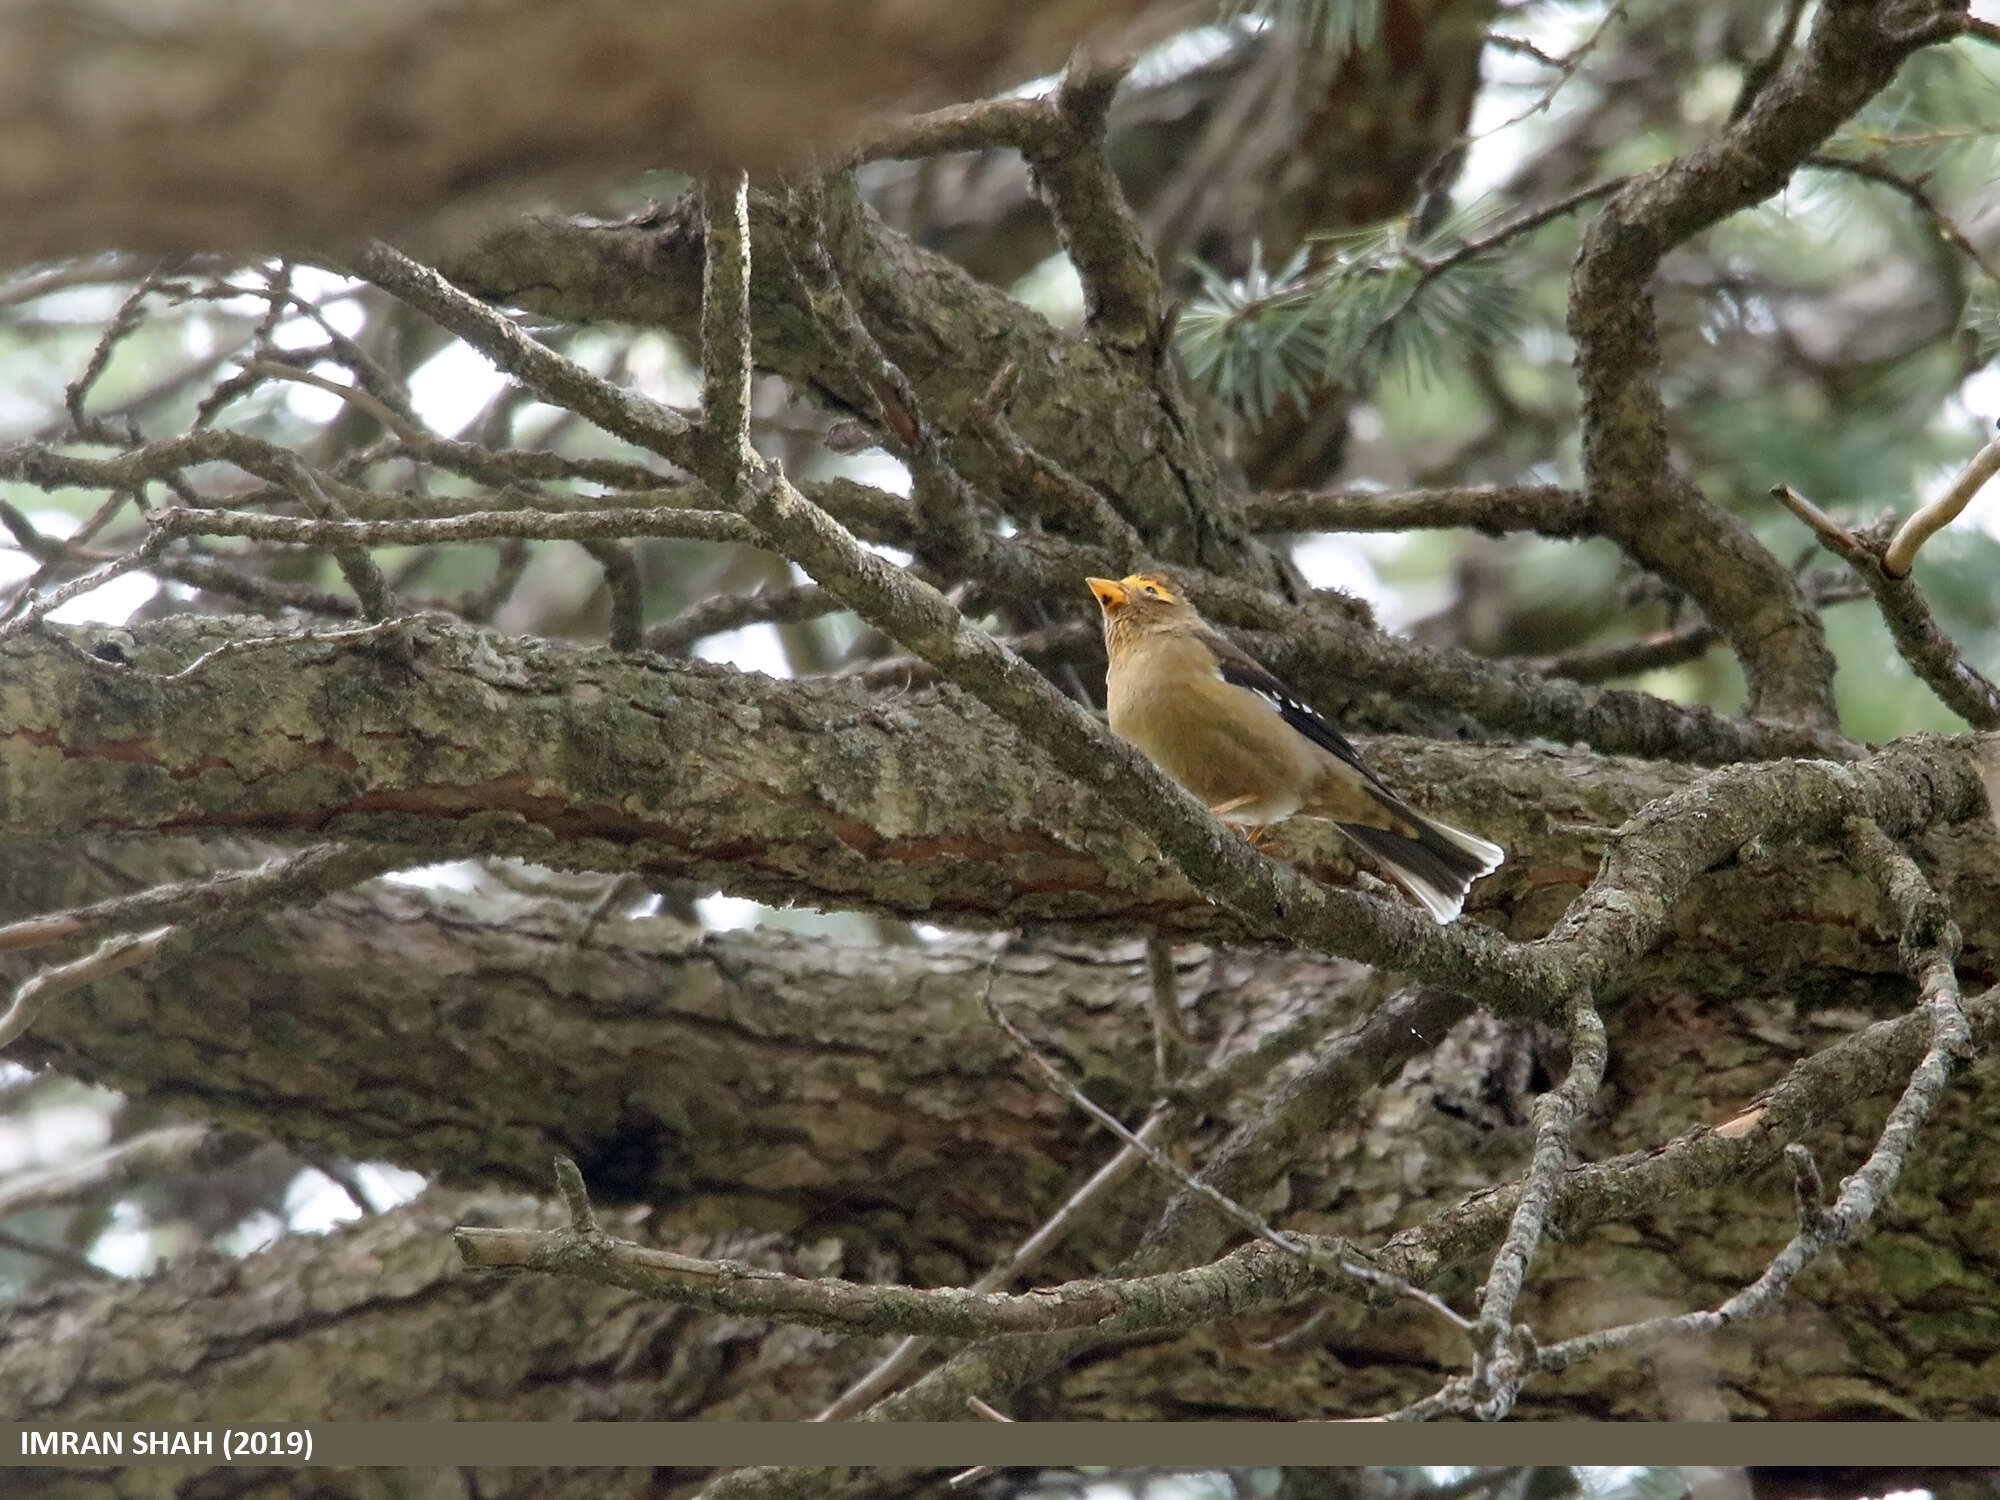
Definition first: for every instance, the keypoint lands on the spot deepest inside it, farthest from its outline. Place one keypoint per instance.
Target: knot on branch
(1506, 1356)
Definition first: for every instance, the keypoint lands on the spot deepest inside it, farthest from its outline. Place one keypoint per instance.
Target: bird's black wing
(1239, 670)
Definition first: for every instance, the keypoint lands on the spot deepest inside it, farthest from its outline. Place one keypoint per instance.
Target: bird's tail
(1437, 866)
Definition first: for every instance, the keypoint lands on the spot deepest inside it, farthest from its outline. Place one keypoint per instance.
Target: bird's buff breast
(1218, 757)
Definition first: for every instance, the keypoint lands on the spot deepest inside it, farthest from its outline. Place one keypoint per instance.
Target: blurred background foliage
(1332, 187)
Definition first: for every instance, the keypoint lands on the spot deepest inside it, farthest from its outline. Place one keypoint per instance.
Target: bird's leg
(1254, 835)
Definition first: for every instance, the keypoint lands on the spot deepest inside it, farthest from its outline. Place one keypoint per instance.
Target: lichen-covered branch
(547, 1075)
(811, 791)
(1931, 945)
(1175, 1301)
(1497, 1367)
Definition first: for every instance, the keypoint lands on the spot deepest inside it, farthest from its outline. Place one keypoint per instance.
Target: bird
(1257, 753)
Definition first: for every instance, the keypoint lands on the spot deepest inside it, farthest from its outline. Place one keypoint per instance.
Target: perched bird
(1249, 747)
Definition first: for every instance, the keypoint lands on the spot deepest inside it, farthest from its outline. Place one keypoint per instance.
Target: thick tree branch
(464, 989)
(230, 129)
(690, 771)
(926, 313)
(1656, 513)
(363, 1311)
(1549, 509)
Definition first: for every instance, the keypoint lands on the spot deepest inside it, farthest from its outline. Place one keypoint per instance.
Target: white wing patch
(1278, 703)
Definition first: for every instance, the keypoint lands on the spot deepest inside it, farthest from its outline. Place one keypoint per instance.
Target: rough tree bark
(1773, 925)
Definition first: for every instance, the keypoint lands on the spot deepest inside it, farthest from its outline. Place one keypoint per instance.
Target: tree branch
(1175, 1301)
(1652, 511)
(274, 132)
(924, 311)
(1920, 640)
(1551, 510)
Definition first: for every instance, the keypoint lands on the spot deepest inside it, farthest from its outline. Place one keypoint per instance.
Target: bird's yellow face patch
(1151, 586)
(1114, 595)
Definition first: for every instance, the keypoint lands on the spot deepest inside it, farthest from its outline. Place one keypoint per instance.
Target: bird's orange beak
(1112, 596)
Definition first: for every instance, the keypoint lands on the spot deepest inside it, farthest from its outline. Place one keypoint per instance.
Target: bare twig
(124, 951)
(31, 610)
(1766, 67)
(725, 332)
(1880, 172)
(947, 509)
(1920, 640)
(363, 575)
(1836, 538)
(1671, 648)
(617, 409)
(274, 881)
(882, 1377)
(1050, 491)
(203, 570)
(1930, 948)
(55, 1255)
(349, 636)
(1169, 1032)
(1566, 67)
(1179, 1299)
(197, 909)
(627, 590)
(1223, 1077)
(353, 395)
(123, 324)
(1497, 1366)
(1433, 268)
(1941, 512)
(472, 526)
(1667, 648)
(1337, 1266)
(712, 616)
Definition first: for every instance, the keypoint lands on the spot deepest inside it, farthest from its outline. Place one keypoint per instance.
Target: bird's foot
(1255, 834)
